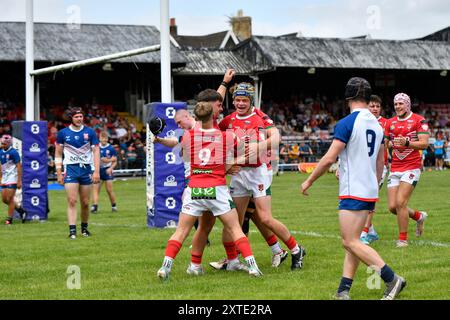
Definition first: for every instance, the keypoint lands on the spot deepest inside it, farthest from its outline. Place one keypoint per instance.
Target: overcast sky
(382, 19)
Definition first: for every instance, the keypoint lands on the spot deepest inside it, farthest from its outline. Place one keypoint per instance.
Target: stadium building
(282, 67)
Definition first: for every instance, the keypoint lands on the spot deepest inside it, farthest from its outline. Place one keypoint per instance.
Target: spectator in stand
(331, 125)
(305, 152)
(284, 154)
(123, 145)
(51, 160)
(131, 157)
(52, 133)
(286, 129)
(307, 128)
(140, 151)
(294, 153)
(440, 146)
(315, 148)
(121, 132)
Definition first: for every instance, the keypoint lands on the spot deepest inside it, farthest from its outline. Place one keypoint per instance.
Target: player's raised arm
(228, 76)
(168, 142)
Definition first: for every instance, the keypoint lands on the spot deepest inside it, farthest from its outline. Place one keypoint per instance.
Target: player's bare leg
(351, 224)
(368, 235)
(200, 238)
(72, 200)
(8, 199)
(403, 195)
(241, 206)
(232, 263)
(85, 194)
(264, 212)
(185, 224)
(418, 216)
(232, 227)
(95, 195)
(111, 194)
(279, 255)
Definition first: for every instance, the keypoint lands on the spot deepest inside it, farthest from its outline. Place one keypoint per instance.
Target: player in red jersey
(406, 133)
(278, 253)
(207, 221)
(258, 135)
(207, 150)
(369, 234)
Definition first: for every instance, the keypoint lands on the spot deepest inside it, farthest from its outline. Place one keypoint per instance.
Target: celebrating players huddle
(241, 145)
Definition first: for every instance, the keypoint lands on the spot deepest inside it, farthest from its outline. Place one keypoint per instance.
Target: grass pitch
(120, 260)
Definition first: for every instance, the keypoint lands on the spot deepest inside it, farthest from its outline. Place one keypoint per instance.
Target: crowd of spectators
(9, 112)
(306, 124)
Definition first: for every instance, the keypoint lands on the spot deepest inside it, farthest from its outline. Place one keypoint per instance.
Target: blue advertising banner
(31, 137)
(165, 170)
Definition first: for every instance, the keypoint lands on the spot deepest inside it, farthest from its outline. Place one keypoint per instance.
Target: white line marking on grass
(116, 225)
(419, 243)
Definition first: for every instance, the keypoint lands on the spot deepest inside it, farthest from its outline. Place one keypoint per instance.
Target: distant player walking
(358, 142)
(369, 234)
(108, 161)
(10, 174)
(81, 168)
(407, 133)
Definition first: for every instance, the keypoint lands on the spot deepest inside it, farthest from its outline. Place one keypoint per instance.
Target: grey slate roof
(214, 62)
(441, 35)
(56, 42)
(354, 53)
(210, 41)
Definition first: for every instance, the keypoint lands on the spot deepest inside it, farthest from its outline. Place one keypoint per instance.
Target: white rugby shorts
(410, 176)
(250, 181)
(215, 199)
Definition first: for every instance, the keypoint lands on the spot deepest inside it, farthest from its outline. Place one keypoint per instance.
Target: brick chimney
(242, 26)
(173, 27)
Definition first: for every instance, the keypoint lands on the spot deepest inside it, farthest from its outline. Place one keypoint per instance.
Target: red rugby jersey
(248, 129)
(383, 122)
(207, 151)
(403, 158)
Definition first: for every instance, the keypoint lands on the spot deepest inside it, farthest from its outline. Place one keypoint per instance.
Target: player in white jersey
(358, 141)
(10, 174)
(81, 168)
